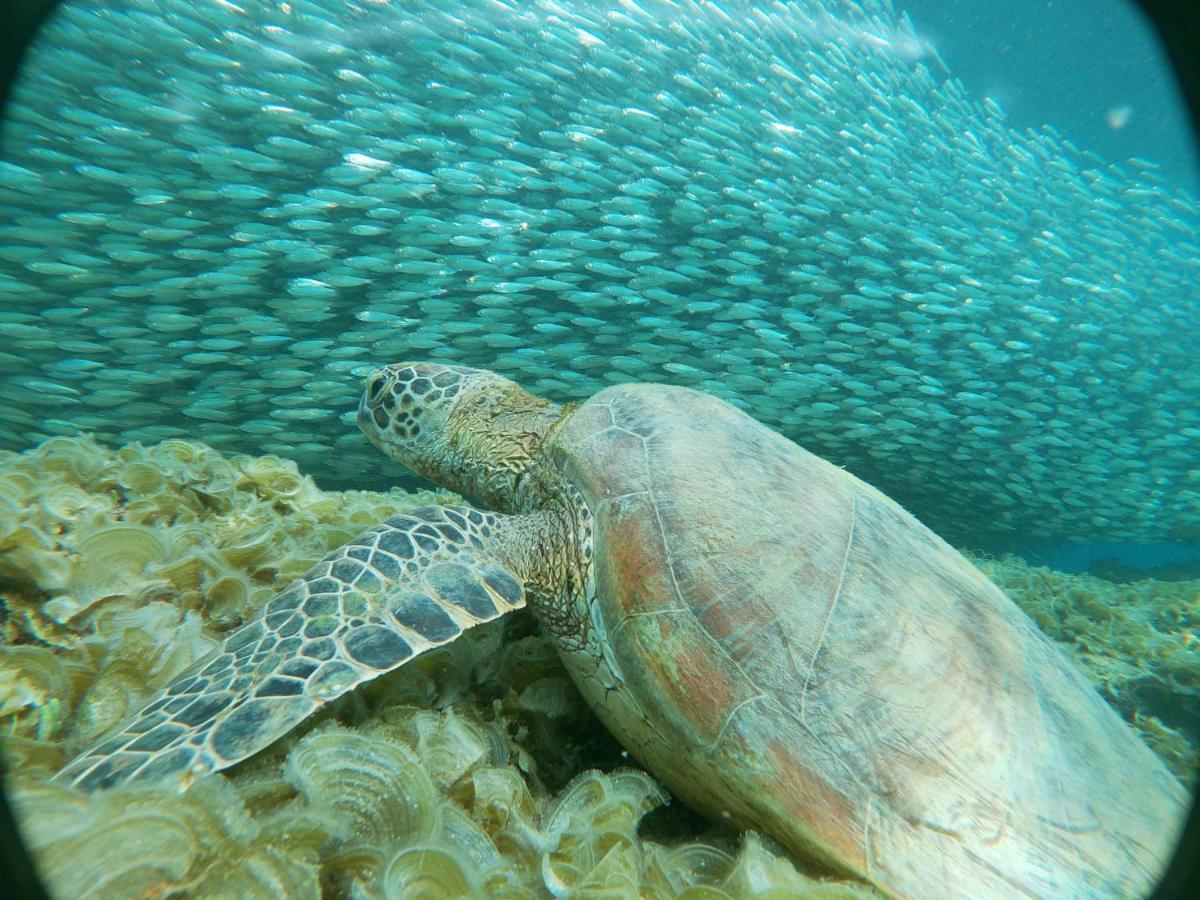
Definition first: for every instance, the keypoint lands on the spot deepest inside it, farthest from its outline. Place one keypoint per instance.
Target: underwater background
(216, 217)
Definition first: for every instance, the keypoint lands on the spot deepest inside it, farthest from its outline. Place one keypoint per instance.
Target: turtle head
(469, 430)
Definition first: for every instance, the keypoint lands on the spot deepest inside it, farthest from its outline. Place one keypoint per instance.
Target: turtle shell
(786, 647)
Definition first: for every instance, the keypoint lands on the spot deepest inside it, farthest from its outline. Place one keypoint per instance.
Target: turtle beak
(365, 424)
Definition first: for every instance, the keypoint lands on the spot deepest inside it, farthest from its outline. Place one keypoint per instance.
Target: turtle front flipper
(415, 582)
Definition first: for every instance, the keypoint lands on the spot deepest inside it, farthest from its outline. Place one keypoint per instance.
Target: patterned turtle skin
(774, 639)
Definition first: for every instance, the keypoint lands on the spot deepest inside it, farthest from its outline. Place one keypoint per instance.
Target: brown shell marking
(788, 646)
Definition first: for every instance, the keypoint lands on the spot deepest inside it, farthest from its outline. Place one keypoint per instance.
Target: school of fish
(216, 216)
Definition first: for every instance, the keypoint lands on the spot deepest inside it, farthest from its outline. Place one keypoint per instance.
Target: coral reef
(474, 770)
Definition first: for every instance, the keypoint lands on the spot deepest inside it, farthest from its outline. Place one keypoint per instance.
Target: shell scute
(808, 658)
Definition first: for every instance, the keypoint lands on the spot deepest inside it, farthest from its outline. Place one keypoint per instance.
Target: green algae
(475, 770)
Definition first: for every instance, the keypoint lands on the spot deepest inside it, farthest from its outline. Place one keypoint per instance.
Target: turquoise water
(218, 219)
(1093, 69)
(971, 280)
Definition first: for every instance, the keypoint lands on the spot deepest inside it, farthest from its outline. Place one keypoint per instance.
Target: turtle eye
(374, 386)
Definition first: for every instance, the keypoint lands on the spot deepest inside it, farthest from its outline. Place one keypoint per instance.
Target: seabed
(476, 769)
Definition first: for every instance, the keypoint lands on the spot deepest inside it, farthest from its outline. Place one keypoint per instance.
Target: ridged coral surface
(476, 769)
(218, 215)
(465, 773)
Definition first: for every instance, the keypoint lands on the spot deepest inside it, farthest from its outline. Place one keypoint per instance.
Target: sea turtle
(777, 641)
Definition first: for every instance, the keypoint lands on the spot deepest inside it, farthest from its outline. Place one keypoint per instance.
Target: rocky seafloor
(474, 770)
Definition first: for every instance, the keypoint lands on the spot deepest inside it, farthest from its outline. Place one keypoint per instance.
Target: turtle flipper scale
(415, 582)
